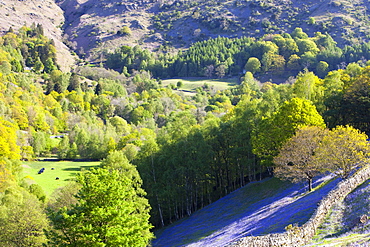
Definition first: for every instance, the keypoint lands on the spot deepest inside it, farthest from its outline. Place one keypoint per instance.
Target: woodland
(164, 154)
(277, 54)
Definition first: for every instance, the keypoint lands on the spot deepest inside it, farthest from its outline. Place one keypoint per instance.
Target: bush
(36, 190)
(179, 84)
(125, 31)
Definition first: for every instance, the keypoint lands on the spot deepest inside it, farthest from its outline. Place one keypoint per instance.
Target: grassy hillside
(345, 240)
(343, 226)
(94, 25)
(256, 209)
(64, 170)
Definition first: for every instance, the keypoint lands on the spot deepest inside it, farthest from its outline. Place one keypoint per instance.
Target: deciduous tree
(296, 159)
(355, 102)
(22, 221)
(342, 150)
(309, 86)
(111, 209)
(322, 69)
(253, 65)
(272, 132)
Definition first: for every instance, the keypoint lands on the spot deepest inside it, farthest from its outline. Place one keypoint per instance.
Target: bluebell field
(259, 208)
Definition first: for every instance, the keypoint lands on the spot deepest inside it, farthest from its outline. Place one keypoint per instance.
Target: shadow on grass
(259, 208)
(297, 212)
(77, 169)
(211, 220)
(230, 82)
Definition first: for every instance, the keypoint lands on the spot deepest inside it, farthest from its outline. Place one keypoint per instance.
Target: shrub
(125, 31)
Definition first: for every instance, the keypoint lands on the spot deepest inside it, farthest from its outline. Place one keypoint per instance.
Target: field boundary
(298, 236)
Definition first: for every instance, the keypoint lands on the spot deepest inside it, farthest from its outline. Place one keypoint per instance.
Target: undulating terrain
(270, 206)
(91, 26)
(131, 86)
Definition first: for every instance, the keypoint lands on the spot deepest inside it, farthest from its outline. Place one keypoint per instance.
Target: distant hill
(92, 26)
(95, 24)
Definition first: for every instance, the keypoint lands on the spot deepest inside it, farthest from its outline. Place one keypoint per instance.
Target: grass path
(256, 209)
(64, 170)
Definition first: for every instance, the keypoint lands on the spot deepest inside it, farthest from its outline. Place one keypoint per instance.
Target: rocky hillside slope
(91, 26)
(16, 13)
(94, 24)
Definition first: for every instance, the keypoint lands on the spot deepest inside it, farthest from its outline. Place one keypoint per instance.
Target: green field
(346, 240)
(64, 170)
(190, 84)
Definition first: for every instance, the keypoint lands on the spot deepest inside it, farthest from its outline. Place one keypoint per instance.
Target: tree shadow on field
(78, 169)
(233, 217)
(298, 212)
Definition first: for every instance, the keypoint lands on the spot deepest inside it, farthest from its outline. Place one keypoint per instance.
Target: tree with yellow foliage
(9, 150)
(8, 141)
(272, 132)
(342, 150)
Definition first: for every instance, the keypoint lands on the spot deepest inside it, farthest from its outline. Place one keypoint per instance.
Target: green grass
(341, 225)
(190, 84)
(64, 170)
(356, 239)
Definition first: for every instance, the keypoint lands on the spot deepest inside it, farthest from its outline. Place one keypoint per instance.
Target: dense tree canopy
(111, 210)
(274, 131)
(283, 54)
(22, 220)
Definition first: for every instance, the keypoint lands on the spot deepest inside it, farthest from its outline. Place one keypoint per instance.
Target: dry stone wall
(298, 236)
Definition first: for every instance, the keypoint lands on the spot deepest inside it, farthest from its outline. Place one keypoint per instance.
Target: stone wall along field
(298, 236)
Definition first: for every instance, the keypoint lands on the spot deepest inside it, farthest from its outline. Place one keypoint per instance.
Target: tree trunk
(156, 194)
(309, 184)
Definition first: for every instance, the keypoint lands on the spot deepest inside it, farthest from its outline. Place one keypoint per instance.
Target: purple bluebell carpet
(256, 209)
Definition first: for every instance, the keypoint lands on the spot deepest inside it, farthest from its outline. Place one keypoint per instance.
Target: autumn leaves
(314, 150)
